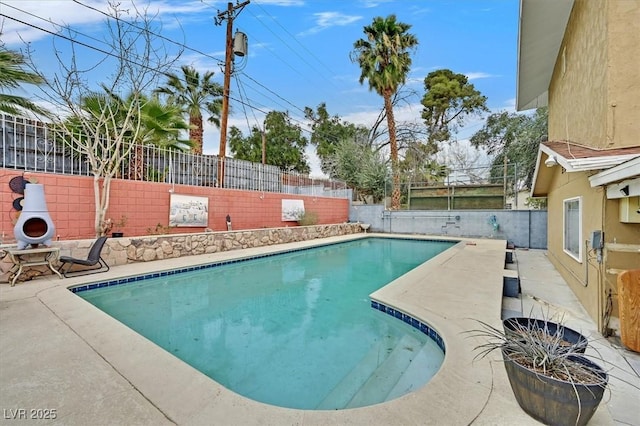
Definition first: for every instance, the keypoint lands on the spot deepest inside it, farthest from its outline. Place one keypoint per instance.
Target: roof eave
(614, 168)
(542, 174)
(626, 170)
(542, 24)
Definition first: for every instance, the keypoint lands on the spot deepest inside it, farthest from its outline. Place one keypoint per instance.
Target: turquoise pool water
(295, 330)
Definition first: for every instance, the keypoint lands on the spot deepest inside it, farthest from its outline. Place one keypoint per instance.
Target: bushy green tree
(361, 167)
(328, 131)
(513, 139)
(285, 144)
(448, 100)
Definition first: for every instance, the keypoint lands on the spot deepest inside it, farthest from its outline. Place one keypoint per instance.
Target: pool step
(349, 385)
(424, 366)
(385, 378)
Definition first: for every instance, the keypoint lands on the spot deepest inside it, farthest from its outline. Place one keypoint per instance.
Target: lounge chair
(93, 258)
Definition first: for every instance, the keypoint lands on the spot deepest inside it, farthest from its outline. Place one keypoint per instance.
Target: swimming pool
(291, 329)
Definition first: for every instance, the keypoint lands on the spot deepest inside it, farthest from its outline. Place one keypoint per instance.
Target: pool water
(295, 330)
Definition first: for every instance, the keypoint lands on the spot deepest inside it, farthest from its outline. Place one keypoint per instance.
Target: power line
(240, 91)
(77, 42)
(55, 24)
(73, 40)
(296, 39)
(299, 122)
(272, 92)
(258, 91)
(182, 45)
(290, 48)
(281, 59)
(119, 57)
(146, 30)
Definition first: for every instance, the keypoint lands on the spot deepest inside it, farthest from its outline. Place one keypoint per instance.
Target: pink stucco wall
(70, 201)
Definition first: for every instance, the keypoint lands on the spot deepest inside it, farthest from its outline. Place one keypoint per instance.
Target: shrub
(308, 218)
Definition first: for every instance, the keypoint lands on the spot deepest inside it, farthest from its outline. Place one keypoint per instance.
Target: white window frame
(565, 248)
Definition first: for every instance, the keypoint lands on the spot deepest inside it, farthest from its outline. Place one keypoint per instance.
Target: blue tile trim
(128, 280)
(424, 328)
(119, 281)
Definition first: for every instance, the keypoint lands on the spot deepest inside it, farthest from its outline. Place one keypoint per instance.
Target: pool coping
(436, 292)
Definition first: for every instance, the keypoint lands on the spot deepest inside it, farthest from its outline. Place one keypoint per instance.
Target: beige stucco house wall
(593, 92)
(593, 95)
(575, 272)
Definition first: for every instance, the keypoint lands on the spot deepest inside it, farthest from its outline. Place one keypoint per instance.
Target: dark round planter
(572, 337)
(552, 401)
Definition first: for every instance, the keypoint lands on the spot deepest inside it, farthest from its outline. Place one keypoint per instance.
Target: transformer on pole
(229, 15)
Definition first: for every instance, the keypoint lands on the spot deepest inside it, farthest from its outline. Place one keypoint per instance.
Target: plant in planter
(160, 229)
(118, 226)
(550, 377)
(567, 338)
(307, 218)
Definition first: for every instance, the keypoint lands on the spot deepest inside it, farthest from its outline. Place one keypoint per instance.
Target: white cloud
(44, 17)
(374, 3)
(51, 16)
(204, 63)
(478, 75)
(283, 3)
(414, 80)
(510, 104)
(367, 117)
(325, 20)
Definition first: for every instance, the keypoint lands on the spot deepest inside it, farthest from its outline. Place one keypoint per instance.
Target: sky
(298, 51)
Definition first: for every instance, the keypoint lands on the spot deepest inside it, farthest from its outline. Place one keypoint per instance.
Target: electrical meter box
(597, 239)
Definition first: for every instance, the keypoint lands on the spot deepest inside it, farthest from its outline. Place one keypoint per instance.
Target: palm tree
(161, 125)
(192, 94)
(12, 74)
(148, 121)
(384, 60)
(215, 111)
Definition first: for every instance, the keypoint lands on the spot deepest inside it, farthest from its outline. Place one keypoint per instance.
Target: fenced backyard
(462, 202)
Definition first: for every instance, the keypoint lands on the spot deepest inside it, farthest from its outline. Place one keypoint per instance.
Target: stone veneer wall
(120, 251)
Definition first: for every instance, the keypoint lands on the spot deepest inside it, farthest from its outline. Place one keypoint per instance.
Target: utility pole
(264, 148)
(230, 14)
(504, 182)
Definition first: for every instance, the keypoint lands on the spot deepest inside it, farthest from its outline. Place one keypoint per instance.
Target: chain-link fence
(478, 187)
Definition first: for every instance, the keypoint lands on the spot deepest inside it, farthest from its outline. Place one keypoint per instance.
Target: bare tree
(407, 133)
(136, 58)
(464, 160)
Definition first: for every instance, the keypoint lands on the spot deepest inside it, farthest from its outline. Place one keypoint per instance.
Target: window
(572, 224)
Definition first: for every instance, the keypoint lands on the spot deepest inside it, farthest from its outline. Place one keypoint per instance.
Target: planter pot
(572, 337)
(552, 401)
(117, 234)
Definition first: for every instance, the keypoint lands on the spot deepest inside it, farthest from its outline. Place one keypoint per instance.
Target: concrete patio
(57, 352)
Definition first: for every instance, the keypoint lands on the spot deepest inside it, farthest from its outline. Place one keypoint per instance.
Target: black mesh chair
(93, 259)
